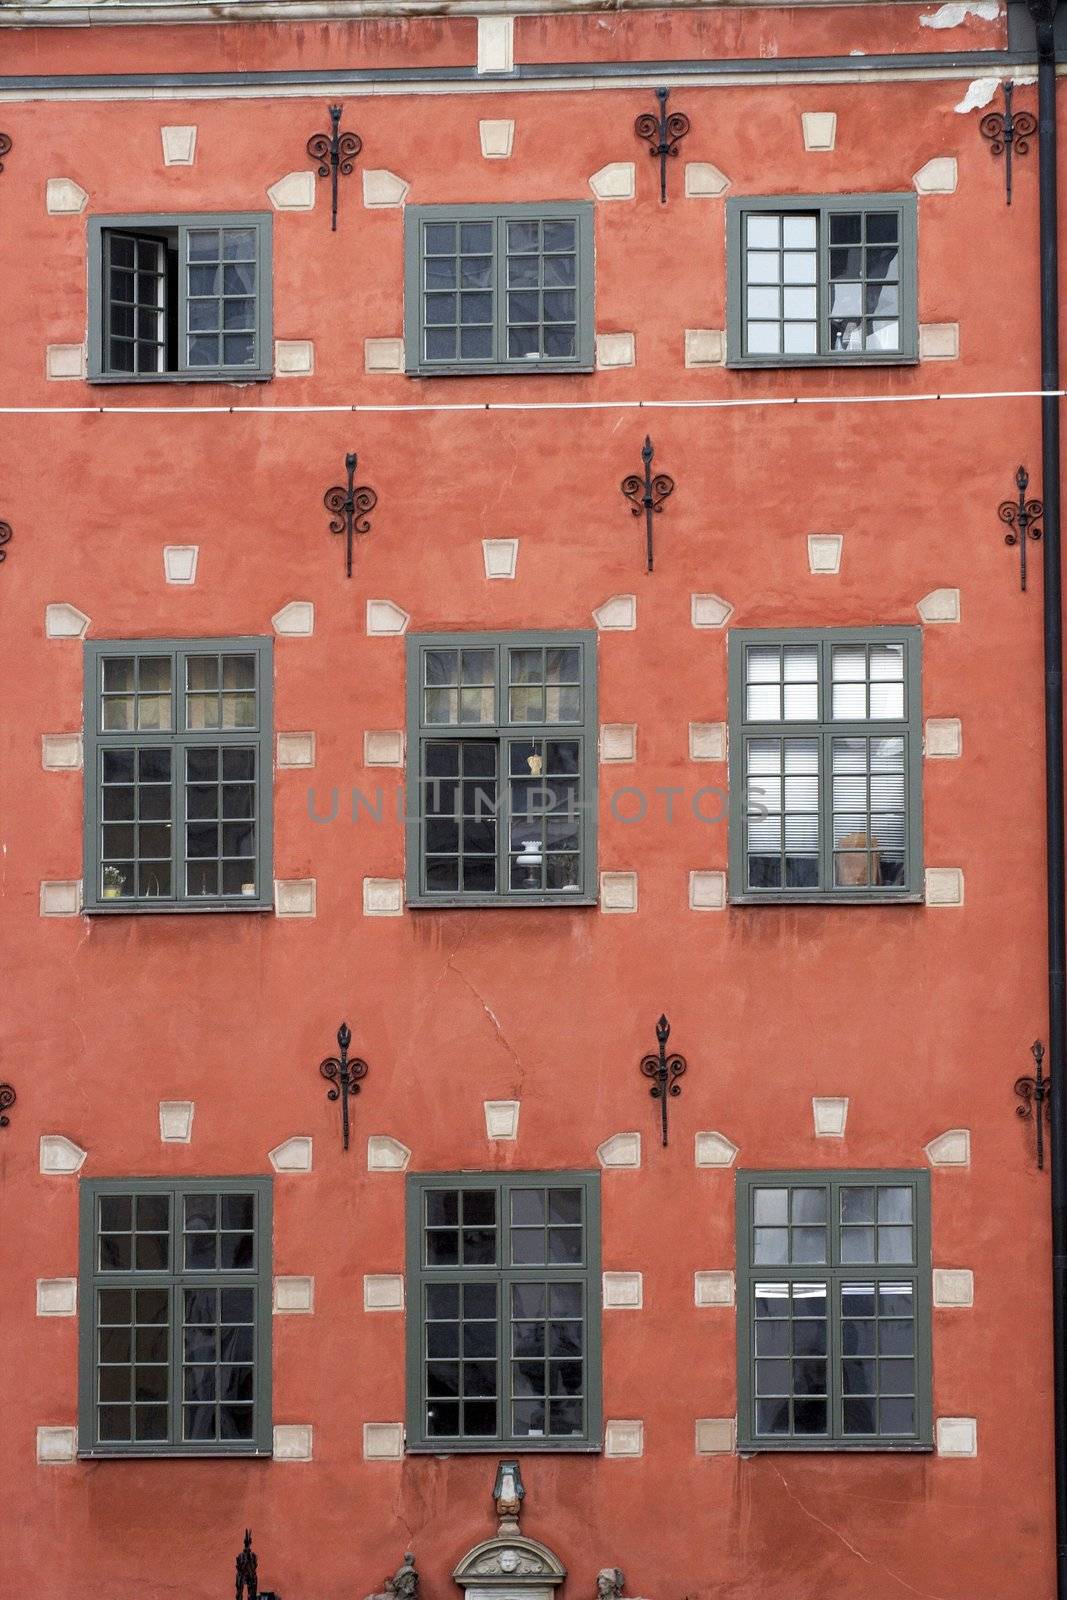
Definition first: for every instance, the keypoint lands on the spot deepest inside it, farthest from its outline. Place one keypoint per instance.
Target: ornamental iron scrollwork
(5, 538)
(661, 131)
(6, 143)
(665, 1070)
(1036, 1093)
(1008, 131)
(344, 1075)
(247, 1585)
(647, 492)
(7, 1100)
(350, 505)
(1021, 516)
(335, 153)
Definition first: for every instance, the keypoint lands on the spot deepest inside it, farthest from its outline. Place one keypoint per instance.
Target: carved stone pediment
(509, 1562)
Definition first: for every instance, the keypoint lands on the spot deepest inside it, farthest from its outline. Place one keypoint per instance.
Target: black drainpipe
(1044, 15)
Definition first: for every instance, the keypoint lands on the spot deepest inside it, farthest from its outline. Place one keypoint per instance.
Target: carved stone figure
(247, 1585)
(403, 1585)
(610, 1583)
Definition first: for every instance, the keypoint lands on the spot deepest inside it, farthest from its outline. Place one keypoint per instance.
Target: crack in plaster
(502, 1037)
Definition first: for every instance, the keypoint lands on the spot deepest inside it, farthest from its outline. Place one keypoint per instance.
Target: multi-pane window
(815, 280)
(834, 1310)
(503, 1311)
(499, 288)
(177, 763)
(175, 1305)
(180, 297)
(501, 768)
(825, 764)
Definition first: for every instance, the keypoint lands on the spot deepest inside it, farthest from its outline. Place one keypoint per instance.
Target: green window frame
(825, 765)
(821, 280)
(175, 1317)
(504, 1308)
(502, 768)
(180, 297)
(499, 288)
(178, 794)
(833, 1310)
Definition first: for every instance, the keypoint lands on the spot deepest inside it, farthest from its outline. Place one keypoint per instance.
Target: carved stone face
(509, 1559)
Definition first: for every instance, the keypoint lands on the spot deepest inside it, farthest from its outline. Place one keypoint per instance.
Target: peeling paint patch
(950, 16)
(979, 93)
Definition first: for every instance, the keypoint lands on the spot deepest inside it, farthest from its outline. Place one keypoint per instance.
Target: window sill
(165, 1453)
(913, 1447)
(130, 379)
(497, 902)
(173, 908)
(739, 363)
(840, 900)
(501, 370)
(493, 1447)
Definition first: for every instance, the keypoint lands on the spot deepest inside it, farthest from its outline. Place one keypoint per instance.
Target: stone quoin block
(623, 1291)
(496, 44)
(618, 891)
(616, 349)
(383, 355)
(295, 1296)
(385, 1154)
(295, 620)
(621, 1150)
(501, 1119)
(937, 176)
(707, 741)
(715, 1436)
(957, 1436)
(383, 897)
(293, 1441)
(618, 612)
(179, 562)
(57, 1297)
(293, 358)
(496, 138)
(707, 891)
(710, 611)
(385, 620)
(383, 1291)
(179, 146)
(940, 605)
(60, 1156)
(500, 557)
(943, 738)
(294, 897)
(616, 181)
(56, 1446)
(292, 1155)
(944, 886)
(296, 750)
(622, 1439)
(64, 197)
(383, 747)
(294, 192)
(61, 752)
(939, 341)
(829, 1115)
(819, 129)
(176, 1121)
(951, 1149)
(824, 552)
(703, 181)
(383, 1441)
(953, 1286)
(62, 621)
(713, 1288)
(618, 741)
(382, 188)
(62, 898)
(715, 1150)
(65, 361)
(704, 347)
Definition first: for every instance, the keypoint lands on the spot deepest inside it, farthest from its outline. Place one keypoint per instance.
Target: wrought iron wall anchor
(662, 133)
(1021, 514)
(350, 505)
(5, 538)
(1036, 1092)
(647, 492)
(7, 1100)
(665, 1069)
(5, 145)
(246, 1570)
(1007, 130)
(344, 1075)
(335, 153)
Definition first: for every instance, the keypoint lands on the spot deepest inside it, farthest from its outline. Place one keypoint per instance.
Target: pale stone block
(618, 612)
(383, 1291)
(623, 1291)
(715, 1150)
(383, 897)
(179, 562)
(65, 622)
(710, 611)
(501, 1119)
(707, 891)
(707, 741)
(944, 886)
(293, 1441)
(940, 605)
(944, 738)
(938, 176)
(64, 197)
(382, 188)
(176, 1121)
(819, 129)
(179, 146)
(829, 1113)
(951, 1149)
(939, 341)
(618, 891)
(61, 752)
(292, 1155)
(616, 349)
(383, 355)
(618, 741)
(496, 138)
(56, 1446)
(624, 1439)
(57, 1297)
(59, 1155)
(500, 557)
(704, 347)
(953, 1286)
(294, 1295)
(714, 1436)
(824, 552)
(385, 619)
(294, 192)
(295, 620)
(496, 46)
(957, 1436)
(293, 358)
(713, 1288)
(383, 747)
(703, 181)
(294, 897)
(65, 361)
(616, 181)
(621, 1150)
(385, 1154)
(61, 899)
(296, 750)
(383, 1441)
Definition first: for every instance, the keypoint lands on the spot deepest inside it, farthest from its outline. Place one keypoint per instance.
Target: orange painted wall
(923, 1017)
